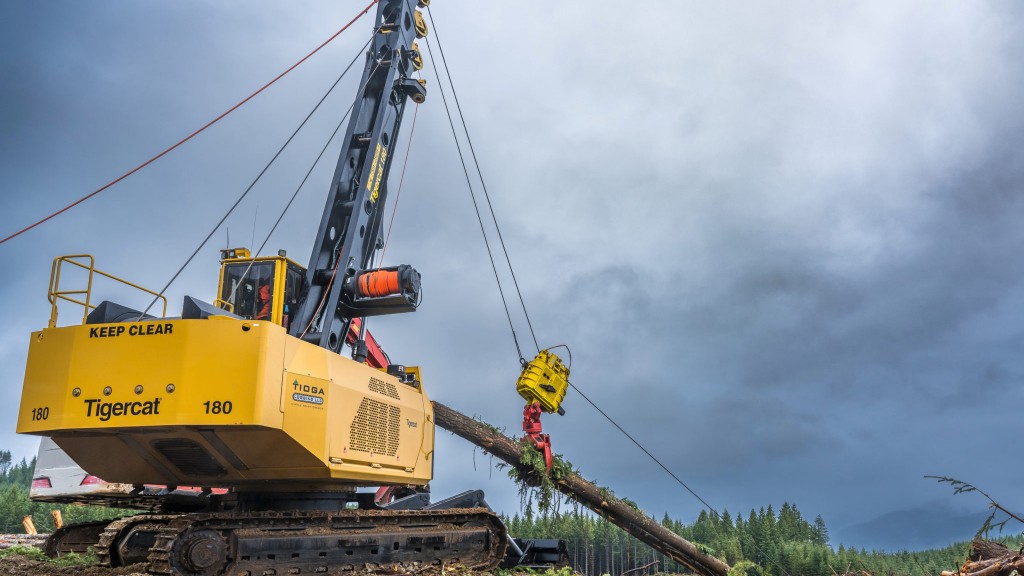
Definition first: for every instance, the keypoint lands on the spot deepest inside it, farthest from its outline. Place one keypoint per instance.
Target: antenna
(252, 242)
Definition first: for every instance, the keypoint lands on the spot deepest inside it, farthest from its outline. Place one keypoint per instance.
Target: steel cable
(483, 183)
(476, 206)
(526, 314)
(257, 179)
(192, 135)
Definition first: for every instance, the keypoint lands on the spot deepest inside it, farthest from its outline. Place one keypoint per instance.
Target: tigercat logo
(376, 174)
(96, 408)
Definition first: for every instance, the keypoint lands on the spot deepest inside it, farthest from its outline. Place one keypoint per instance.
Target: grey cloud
(781, 240)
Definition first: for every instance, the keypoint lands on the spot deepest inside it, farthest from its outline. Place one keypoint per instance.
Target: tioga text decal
(307, 394)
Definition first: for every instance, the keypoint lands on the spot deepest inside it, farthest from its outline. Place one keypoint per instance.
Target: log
(988, 558)
(987, 550)
(639, 568)
(602, 502)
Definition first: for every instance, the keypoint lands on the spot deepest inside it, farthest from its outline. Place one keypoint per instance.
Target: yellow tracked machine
(248, 401)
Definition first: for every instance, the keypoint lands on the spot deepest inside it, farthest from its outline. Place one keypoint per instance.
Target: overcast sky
(783, 240)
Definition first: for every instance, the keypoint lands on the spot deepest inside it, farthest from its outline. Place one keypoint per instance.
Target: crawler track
(127, 541)
(73, 538)
(292, 542)
(260, 543)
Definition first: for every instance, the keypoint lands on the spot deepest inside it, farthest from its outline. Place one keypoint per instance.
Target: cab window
(251, 293)
(293, 279)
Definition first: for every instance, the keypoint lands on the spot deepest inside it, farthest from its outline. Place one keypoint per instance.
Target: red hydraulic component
(384, 495)
(374, 353)
(388, 494)
(532, 427)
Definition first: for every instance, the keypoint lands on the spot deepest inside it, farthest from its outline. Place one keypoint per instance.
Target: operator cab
(263, 288)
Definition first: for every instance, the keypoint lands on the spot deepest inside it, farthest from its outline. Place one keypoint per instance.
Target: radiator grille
(385, 388)
(375, 428)
(189, 457)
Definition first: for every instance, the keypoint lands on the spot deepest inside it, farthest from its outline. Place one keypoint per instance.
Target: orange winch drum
(379, 283)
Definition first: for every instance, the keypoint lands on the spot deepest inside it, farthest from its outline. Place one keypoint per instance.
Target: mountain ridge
(930, 526)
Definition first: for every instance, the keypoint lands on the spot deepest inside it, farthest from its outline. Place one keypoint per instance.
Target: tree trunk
(634, 522)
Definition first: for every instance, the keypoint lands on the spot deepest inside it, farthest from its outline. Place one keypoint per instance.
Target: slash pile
(989, 558)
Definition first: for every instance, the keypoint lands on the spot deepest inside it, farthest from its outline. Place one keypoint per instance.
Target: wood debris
(989, 558)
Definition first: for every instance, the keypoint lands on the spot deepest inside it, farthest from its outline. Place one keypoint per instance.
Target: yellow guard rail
(83, 297)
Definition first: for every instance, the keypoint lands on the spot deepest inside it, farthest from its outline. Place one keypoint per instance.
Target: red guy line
(192, 135)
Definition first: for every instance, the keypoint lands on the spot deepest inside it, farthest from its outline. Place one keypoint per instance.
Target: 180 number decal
(40, 413)
(217, 407)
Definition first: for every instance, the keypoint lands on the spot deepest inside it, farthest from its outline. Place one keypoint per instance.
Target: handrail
(224, 304)
(54, 293)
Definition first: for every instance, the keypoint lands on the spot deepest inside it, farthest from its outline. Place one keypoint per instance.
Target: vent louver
(375, 428)
(385, 388)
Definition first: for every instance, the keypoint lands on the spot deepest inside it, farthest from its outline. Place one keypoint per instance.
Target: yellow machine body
(222, 402)
(544, 380)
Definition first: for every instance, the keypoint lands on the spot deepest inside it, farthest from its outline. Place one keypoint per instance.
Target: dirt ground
(15, 565)
(18, 565)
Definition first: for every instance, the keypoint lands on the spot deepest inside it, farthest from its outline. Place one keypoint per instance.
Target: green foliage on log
(536, 483)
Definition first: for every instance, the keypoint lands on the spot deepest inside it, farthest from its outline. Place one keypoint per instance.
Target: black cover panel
(108, 312)
(195, 309)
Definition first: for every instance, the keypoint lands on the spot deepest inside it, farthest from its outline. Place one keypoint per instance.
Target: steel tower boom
(339, 284)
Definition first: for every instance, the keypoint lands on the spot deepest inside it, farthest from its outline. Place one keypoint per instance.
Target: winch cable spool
(193, 134)
(676, 478)
(259, 176)
(379, 283)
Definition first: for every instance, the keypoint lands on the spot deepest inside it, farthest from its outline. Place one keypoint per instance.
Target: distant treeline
(763, 542)
(15, 481)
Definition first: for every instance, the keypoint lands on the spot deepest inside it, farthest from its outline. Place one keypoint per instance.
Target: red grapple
(534, 431)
